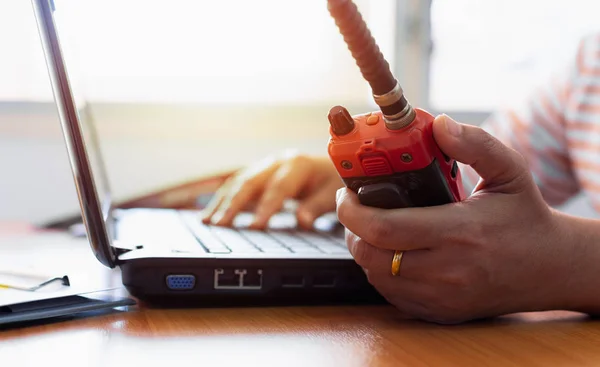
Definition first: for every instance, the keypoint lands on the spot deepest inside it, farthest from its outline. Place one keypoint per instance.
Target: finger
(496, 163)
(376, 261)
(240, 194)
(401, 229)
(398, 300)
(240, 190)
(408, 296)
(286, 183)
(214, 203)
(408, 305)
(318, 203)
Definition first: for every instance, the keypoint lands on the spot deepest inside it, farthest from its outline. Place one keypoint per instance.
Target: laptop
(169, 256)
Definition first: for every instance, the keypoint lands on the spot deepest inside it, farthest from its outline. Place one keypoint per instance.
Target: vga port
(181, 282)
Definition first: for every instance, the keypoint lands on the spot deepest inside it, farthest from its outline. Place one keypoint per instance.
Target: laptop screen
(94, 152)
(80, 138)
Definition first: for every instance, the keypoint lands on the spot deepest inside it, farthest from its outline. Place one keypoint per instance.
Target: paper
(48, 255)
(80, 283)
(10, 296)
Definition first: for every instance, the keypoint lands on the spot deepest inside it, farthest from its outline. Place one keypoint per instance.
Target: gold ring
(396, 260)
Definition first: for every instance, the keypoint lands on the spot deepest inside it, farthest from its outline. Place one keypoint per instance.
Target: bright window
(489, 53)
(199, 51)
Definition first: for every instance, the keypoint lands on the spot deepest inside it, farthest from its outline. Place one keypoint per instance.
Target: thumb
(495, 163)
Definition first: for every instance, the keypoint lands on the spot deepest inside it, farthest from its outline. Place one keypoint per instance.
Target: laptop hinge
(125, 247)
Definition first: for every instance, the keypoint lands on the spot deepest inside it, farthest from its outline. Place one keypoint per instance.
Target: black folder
(67, 306)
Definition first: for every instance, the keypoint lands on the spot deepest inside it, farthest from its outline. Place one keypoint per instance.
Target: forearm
(581, 236)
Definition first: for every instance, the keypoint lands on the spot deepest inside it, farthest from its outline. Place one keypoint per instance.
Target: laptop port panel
(239, 283)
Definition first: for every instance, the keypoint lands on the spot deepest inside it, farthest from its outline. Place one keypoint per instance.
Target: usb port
(292, 281)
(324, 281)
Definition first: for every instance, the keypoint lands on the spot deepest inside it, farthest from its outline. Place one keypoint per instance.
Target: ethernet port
(252, 279)
(226, 278)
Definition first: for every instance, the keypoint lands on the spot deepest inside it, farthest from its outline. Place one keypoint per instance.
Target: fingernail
(258, 221)
(217, 217)
(305, 217)
(257, 225)
(452, 126)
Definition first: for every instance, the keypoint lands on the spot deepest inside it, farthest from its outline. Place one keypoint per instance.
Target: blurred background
(183, 89)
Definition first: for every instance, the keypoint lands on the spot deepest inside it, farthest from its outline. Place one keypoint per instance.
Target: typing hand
(502, 250)
(312, 181)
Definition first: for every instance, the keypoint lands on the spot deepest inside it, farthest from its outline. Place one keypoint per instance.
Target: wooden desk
(302, 336)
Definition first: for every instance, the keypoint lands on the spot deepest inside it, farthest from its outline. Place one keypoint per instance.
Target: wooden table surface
(300, 336)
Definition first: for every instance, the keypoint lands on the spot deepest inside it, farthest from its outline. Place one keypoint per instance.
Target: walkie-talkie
(388, 157)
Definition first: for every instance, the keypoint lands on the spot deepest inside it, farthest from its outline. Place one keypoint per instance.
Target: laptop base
(258, 282)
(173, 258)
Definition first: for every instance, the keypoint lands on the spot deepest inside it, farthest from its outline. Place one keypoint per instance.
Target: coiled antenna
(386, 90)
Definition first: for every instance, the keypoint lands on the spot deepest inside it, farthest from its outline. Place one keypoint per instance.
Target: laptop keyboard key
(287, 239)
(317, 240)
(306, 250)
(263, 241)
(224, 240)
(339, 240)
(334, 250)
(232, 239)
(325, 244)
(204, 236)
(245, 250)
(294, 243)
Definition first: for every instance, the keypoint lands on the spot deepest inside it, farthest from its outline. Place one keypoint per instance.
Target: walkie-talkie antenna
(386, 90)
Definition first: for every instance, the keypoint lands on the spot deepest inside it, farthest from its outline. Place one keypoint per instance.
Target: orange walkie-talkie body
(388, 157)
(395, 168)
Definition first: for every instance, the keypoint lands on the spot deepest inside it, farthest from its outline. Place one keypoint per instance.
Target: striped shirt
(557, 130)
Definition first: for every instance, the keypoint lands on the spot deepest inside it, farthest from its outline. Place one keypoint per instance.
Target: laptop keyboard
(222, 240)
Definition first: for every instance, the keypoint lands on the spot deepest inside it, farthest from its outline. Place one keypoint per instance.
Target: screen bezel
(96, 220)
